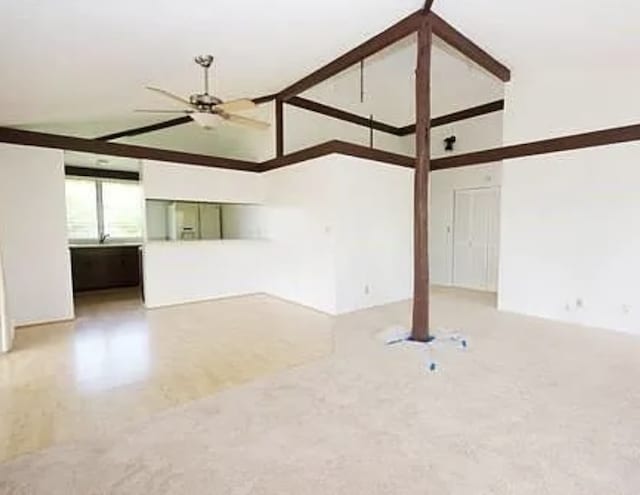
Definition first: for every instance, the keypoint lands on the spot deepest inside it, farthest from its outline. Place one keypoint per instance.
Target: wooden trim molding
(101, 173)
(395, 33)
(565, 143)
(339, 114)
(55, 141)
(342, 148)
(554, 145)
(467, 113)
(454, 38)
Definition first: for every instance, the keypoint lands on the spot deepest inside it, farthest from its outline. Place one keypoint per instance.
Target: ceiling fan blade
(170, 95)
(238, 119)
(237, 105)
(145, 110)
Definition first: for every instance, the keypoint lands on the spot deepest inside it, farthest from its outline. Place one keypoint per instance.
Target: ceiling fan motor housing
(204, 60)
(204, 102)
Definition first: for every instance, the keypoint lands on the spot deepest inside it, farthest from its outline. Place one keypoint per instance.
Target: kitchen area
(104, 224)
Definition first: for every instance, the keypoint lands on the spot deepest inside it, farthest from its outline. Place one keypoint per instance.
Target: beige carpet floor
(530, 407)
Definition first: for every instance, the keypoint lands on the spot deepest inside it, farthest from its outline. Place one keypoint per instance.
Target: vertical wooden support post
(420, 324)
(279, 127)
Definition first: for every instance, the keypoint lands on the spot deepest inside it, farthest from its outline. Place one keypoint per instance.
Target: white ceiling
(78, 59)
(551, 34)
(79, 66)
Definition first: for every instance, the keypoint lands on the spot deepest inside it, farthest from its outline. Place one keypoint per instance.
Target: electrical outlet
(626, 309)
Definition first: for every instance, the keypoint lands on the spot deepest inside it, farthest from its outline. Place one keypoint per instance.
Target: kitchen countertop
(106, 245)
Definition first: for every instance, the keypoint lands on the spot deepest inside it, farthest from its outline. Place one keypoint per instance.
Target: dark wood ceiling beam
(395, 33)
(442, 29)
(69, 143)
(329, 111)
(136, 131)
(454, 38)
(341, 148)
(566, 143)
(467, 113)
(376, 155)
(339, 114)
(264, 99)
(101, 173)
(145, 129)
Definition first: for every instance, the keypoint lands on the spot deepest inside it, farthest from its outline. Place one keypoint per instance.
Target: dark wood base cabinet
(107, 267)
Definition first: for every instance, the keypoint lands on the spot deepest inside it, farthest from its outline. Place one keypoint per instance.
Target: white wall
(179, 272)
(340, 233)
(33, 235)
(186, 271)
(163, 180)
(570, 232)
(374, 234)
(301, 229)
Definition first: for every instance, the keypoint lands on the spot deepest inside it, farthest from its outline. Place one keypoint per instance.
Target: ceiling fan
(206, 109)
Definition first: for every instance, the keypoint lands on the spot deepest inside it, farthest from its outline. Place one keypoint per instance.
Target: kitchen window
(101, 210)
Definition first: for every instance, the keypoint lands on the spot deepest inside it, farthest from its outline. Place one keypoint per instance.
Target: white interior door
(475, 238)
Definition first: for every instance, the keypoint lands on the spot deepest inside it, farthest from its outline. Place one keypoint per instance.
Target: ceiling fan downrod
(205, 62)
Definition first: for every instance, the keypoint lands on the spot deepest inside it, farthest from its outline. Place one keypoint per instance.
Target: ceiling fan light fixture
(206, 120)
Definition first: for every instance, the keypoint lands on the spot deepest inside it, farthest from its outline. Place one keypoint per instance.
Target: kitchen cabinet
(105, 267)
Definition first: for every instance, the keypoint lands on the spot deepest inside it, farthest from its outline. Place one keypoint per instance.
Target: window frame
(100, 222)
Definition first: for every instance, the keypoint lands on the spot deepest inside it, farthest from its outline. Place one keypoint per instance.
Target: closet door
(493, 239)
(475, 244)
(462, 238)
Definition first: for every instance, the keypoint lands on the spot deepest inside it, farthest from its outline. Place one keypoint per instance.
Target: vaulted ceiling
(79, 67)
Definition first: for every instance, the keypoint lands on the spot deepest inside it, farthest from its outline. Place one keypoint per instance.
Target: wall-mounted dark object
(449, 142)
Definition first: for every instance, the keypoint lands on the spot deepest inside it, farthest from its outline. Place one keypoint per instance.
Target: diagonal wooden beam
(554, 145)
(342, 148)
(395, 33)
(147, 128)
(339, 114)
(454, 38)
(69, 143)
(467, 113)
(264, 99)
